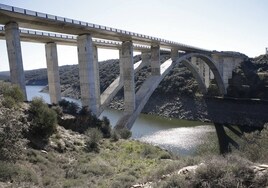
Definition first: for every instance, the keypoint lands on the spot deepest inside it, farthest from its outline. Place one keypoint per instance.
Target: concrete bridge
(204, 64)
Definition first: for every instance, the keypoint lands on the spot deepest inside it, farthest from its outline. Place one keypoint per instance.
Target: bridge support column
(155, 60)
(145, 57)
(127, 64)
(14, 56)
(89, 73)
(53, 73)
(174, 54)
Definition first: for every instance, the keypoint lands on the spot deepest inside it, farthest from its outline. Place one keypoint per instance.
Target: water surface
(179, 136)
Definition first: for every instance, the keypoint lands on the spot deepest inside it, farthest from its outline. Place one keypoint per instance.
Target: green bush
(12, 95)
(43, 119)
(114, 136)
(69, 107)
(255, 146)
(94, 135)
(124, 133)
(106, 127)
(10, 133)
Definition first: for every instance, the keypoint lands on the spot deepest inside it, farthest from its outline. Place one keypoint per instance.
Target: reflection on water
(179, 136)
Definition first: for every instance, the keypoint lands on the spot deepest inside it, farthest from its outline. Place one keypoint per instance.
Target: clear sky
(231, 25)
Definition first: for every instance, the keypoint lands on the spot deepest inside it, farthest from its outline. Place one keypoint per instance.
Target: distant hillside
(250, 79)
(176, 96)
(4, 75)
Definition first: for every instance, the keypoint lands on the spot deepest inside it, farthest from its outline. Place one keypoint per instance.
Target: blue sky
(231, 25)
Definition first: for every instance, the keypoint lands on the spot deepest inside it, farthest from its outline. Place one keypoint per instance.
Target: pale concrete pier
(14, 56)
(89, 73)
(53, 73)
(155, 60)
(126, 62)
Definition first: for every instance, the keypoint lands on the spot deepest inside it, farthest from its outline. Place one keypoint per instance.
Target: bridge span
(88, 37)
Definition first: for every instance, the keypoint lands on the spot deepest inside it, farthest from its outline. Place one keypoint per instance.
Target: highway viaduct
(88, 37)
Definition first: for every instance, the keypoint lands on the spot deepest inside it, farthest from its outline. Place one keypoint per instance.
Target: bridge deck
(41, 21)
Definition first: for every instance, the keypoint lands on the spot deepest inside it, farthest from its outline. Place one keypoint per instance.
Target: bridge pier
(174, 54)
(53, 73)
(127, 69)
(14, 56)
(155, 60)
(89, 73)
(145, 57)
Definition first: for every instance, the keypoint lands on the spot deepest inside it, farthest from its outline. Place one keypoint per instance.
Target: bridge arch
(194, 71)
(149, 86)
(212, 65)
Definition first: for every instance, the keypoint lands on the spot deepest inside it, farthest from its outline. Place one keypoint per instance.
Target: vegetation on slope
(250, 79)
(94, 158)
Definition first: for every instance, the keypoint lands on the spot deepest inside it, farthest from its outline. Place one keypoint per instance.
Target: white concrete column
(194, 61)
(219, 62)
(89, 73)
(14, 56)
(174, 54)
(145, 57)
(206, 74)
(53, 73)
(127, 64)
(155, 60)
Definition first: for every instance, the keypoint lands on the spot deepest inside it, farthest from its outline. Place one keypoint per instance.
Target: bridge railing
(92, 27)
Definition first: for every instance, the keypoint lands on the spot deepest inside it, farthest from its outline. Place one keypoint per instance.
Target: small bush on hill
(43, 119)
(11, 93)
(69, 107)
(94, 135)
(124, 133)
(10, 133)
(255, 146)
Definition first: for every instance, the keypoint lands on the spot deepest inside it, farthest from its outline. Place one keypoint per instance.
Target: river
(178, 136)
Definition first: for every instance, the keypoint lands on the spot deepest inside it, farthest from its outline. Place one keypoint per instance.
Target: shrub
(255, 146)
(10, 133)
(114, 136)
(69, 107)
(12, 95)
(106, 127)
(43, 119)
(124, 133)
(94, 135)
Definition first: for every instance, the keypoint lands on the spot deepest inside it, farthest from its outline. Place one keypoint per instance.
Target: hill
(66, 158)
(176, 96)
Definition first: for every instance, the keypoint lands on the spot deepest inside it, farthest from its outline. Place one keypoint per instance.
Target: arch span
(212, 66)
(149, 86)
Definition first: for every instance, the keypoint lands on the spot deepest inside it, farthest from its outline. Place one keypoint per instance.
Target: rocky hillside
(177, 95)
(250, 79)
(59, 157)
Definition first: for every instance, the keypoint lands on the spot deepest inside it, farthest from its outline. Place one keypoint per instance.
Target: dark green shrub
(12, 95)
(43, 119)
(9, 102)
(10, 133)
(69, 107)
(124, 133)
(94, 135)
(105, 127)
(114, 136)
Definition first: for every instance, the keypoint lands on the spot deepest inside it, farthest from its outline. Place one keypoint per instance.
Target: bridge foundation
(155, 60)
(127, 64)
(14, 56)
(89, 73)
(53, 73)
